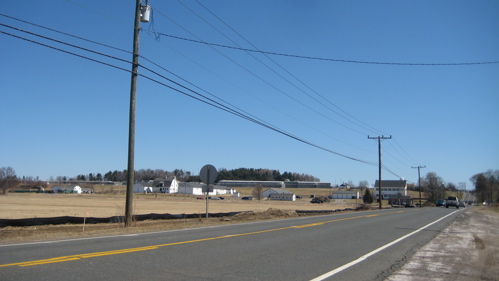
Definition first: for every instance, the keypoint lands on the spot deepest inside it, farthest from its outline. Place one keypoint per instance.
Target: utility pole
(379, 138)
(131, 131)
(419, 179)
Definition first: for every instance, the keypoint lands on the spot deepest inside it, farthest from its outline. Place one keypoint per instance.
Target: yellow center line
(139, 249)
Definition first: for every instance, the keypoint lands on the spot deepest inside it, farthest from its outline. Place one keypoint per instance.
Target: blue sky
(64, 115)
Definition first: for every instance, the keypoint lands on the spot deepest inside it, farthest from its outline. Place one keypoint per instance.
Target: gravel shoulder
(466, 250)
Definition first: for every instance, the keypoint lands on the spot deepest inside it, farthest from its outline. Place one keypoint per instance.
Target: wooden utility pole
(419, 179)
(131, 132)
(379, 138)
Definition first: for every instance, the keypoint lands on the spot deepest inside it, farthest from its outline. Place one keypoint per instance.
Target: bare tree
(434, 187)
(487, 186)
(258, 192)
(8, 179)
(363, 183)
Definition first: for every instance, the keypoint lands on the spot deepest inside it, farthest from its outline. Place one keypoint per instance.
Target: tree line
(262, 175)
(248, 174)
(486, 184)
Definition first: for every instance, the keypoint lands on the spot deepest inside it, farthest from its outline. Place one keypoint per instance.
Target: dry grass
(15, 206)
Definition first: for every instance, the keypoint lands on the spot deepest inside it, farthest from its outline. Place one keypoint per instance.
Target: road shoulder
(466, 250)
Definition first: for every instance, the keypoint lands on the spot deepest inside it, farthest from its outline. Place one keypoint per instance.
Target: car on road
(462, 204)
(247, 198)
(214, 198)
(441, 203)
(298, 197)
(452, 202)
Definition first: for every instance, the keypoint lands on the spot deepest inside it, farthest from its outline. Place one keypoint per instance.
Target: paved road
(350, 246)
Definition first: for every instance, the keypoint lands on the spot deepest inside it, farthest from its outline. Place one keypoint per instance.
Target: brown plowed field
(32, 205)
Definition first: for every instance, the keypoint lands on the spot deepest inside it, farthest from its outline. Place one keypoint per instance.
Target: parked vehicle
(441, 203)
(320, 199)
(452, 202)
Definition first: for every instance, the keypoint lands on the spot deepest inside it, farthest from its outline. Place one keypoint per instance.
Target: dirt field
(26, 205)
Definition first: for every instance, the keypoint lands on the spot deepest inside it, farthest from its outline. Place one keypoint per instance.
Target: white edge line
(352, 263)
(141, 233)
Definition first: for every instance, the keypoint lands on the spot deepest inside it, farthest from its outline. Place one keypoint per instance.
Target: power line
(205, 100)
(289, 73)
(64, 43)
(328, 59)
(144, 58)
(67, 34)
(261, 78)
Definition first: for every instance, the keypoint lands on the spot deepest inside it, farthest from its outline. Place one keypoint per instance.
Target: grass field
(32, 205)
(110, 201)
(37, 205)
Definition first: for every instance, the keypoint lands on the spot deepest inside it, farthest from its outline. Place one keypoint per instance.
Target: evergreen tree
(368, 197)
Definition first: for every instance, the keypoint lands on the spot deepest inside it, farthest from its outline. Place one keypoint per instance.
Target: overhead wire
(329, 59)
(235, 31)
(146, 59)
(64, 43)
(259, 77)
(115, 48)
(204, 99)
(226, 36)
(362, 124)
(263, 63)
(98, 43)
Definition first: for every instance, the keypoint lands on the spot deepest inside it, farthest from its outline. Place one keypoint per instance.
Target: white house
(171, 185)
(168, 185)
(67, 189)
(391, 188)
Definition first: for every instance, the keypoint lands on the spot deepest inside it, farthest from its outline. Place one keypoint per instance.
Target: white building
(279, 194)
(391, 188)
(346, 194)
(67, 189)
(142, 187)
(190, 188)
(283, 196)
(168, 185)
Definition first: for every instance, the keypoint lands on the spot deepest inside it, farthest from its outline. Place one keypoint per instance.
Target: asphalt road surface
(350, 246)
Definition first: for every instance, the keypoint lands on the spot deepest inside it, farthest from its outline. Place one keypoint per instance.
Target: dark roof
(391, 183)
(160, 182)
(277, 190)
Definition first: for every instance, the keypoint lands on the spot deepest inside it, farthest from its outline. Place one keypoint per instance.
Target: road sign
(208, 174)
